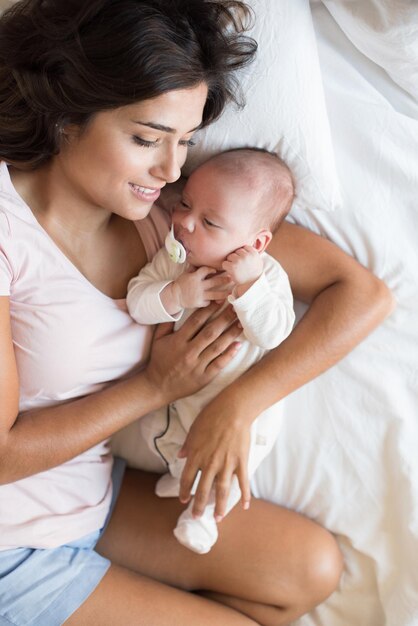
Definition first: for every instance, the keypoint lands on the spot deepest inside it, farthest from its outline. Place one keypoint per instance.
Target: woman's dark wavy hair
(62, 61)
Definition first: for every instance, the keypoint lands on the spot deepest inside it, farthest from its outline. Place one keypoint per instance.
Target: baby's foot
(167, 486)
(197, 535)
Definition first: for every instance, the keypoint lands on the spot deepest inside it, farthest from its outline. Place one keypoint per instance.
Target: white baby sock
(200, 534)
(167, 486)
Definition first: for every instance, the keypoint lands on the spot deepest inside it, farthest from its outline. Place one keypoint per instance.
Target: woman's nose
(168, 167)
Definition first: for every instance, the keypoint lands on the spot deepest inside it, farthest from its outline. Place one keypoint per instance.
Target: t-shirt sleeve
(6, 271)
(265, 310)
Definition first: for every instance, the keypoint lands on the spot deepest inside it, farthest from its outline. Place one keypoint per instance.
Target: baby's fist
(244, 265)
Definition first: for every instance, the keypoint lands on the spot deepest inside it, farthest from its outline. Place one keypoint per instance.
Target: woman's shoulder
(11, 204)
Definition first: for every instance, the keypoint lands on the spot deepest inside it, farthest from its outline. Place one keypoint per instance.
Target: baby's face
(214, 216)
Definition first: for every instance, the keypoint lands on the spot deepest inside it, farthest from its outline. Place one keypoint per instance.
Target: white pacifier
(176, 250)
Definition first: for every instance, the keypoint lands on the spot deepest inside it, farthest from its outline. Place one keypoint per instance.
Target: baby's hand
(243, 266)
(199, 287)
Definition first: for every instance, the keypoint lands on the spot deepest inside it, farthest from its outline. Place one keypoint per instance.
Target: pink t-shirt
(70, 340)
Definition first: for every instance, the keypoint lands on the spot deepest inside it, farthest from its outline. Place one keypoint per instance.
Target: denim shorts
(44, 587)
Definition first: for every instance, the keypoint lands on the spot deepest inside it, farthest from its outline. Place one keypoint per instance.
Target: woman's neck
(105, 247)
(56, 204)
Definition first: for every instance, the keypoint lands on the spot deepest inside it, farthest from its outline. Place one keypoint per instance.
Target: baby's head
(236, 198)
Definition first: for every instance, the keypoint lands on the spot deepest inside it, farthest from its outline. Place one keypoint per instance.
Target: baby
(221, 226)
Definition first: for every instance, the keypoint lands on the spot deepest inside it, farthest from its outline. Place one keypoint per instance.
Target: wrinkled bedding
(347, 454)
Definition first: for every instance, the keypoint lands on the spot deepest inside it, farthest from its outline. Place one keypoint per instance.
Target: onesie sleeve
(265, 310)
(6, 270)
(143, 299)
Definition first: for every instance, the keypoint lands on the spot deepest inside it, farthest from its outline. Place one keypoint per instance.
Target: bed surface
(347, 454)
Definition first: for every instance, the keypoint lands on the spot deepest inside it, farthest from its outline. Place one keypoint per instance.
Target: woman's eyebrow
(165, 129)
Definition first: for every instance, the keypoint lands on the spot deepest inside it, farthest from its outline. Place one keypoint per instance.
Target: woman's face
(123, 157)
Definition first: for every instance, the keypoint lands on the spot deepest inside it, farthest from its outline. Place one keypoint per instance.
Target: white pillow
(386, 32)
(285, 107)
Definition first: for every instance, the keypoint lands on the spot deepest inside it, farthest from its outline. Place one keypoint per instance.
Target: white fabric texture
(386, 31)
(285, 108)
(347, 452)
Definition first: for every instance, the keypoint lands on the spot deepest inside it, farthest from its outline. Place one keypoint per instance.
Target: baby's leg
(168, 486)
(169, 443)
(200, 534)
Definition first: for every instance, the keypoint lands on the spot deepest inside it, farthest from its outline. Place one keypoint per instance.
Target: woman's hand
(218, 445)
(188, 359)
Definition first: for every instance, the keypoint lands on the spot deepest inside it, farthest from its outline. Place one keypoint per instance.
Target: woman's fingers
(220, 362)
(223, 485)
(184, 361)
(222, 490)
(244, 485)
(211, 338)
(217, 344)
(201, 497)
(200, 317)
(221, 482)
(187, 480)
(163, 329)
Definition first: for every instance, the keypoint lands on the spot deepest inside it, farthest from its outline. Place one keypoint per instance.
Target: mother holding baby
(99, 101)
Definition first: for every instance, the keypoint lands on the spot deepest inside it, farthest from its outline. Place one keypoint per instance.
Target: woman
(98, 104)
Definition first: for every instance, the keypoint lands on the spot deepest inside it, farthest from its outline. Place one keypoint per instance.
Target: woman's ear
(262, 240)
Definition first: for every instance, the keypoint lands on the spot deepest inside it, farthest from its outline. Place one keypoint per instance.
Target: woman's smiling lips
(147, 194)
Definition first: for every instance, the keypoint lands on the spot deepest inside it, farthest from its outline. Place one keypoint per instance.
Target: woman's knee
(315, 578)
(323, 567)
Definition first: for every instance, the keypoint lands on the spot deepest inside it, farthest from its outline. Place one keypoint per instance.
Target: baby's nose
(188, 223)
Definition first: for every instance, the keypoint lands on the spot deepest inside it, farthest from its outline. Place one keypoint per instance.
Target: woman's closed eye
(144, 142)
(186, 143)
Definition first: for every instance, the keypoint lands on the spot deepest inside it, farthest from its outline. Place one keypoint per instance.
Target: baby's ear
(262, 240)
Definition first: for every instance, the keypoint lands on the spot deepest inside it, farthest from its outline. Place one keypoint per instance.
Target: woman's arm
(346, 303)
(180, 363)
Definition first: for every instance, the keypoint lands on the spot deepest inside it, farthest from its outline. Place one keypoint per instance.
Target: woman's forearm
(43, 438)
(346, 303)
(339, 318)
(180, 364)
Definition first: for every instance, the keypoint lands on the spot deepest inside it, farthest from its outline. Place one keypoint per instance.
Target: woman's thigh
(125, 597)
(267, 555)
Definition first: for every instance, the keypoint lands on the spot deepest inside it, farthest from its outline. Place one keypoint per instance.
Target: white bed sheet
(347, 455)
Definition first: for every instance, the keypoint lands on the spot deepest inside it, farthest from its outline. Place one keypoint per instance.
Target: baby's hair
(62, 61)
(279, 191)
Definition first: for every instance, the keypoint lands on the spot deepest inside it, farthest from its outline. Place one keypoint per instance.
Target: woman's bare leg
(124, 597)
(269, 563)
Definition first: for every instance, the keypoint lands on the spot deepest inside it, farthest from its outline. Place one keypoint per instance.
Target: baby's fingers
(228, 266)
